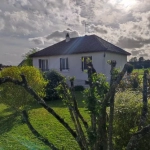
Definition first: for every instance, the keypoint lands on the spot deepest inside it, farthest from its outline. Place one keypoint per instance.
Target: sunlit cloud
(25, 24)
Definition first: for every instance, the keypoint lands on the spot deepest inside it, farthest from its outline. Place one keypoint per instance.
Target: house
(69, 57)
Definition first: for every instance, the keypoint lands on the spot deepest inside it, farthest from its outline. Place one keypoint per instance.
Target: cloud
(62, 34)
(46, 22)
(54, 37)
(136, 52)
(98, 28)
(125, 42)
(2, 24)
(38, 40)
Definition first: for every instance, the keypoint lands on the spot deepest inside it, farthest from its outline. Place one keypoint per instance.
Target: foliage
(97, 133)
(16, 136)
(141, 59)
(27, 60)
(79, 88)
(132, 81)
(135, 81)
(16, 96)
(133, 59)
(140, 64)
(94, 96)
(130, 69)
(128, 106)
(54, 78)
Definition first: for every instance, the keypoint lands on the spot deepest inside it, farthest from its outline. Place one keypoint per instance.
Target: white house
(69, 56)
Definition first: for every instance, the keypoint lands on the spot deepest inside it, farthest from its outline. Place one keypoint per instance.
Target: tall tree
(141, 59)
(133, 59)
(27, 61)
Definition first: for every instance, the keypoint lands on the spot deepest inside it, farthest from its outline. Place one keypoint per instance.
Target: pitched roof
(85, 44)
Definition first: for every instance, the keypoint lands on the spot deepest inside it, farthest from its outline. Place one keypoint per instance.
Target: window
(84, 60)
(43, 64)
(64, 64)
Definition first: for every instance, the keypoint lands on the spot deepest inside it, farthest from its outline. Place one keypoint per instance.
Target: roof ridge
(122, 50)
(96, 37)
(80, 44)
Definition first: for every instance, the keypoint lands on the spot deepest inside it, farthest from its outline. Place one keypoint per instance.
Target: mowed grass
(139, 71)
(15, 135)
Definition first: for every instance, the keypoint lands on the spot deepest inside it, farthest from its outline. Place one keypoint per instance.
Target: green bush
(133, 81)
(128, 106)
(16, 96)
(79, 88)
(54, 78)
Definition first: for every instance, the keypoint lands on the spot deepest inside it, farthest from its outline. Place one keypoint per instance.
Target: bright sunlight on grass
(15, 135)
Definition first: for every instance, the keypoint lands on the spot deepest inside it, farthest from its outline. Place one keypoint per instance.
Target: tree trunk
(111, 114)
(145, 108)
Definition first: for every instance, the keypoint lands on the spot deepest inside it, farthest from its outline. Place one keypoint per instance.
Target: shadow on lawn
(55, 104)
(59, 103)
(7, 122)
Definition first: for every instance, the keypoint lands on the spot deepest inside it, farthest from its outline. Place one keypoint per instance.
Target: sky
(27, 24)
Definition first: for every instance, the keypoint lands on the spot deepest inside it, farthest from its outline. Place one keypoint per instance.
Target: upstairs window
(64, 64)
(84, 62)
(43, 64)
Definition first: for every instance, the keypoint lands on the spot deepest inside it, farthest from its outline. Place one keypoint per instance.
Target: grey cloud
(62, 34)
(136, 52)
(143, 55)
(98, 28)
(54, 37)
(38, 40)
(2, 24)
(140, 52)
(136, 42)
(31, 20)
(125, 42)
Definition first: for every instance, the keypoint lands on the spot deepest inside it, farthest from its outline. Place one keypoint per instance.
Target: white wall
(75, 69)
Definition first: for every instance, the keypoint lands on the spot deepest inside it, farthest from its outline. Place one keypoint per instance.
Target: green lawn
(15, 135)
(139, 71)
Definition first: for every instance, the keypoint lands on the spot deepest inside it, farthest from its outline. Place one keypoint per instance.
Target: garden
(34, 114)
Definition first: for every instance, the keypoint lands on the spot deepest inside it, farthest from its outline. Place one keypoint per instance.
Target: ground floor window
(84, 61)
(64, 64)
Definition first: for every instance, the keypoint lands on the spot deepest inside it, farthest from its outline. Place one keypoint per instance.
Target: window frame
(64, 64)
(83, 60)
(43, 64)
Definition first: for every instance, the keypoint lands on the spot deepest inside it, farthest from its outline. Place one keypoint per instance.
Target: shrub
(126, 119)
(79, 88)
(132, 81)
(54, 78)
(135, 80)
(16, 96)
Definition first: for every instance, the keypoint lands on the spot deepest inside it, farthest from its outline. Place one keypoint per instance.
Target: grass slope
(15, 135)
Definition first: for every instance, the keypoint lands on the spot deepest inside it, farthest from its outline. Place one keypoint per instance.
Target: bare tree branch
(76, 107)
(133, 143)
(116, 83)
(145, 107)
(111, 114)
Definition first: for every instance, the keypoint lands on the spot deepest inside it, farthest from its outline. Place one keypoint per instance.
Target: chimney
(67, 37)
